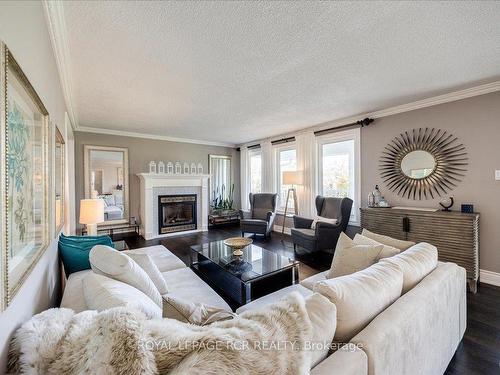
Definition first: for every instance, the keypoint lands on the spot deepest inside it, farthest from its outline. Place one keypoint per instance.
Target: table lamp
(91, 214)
(291, 178)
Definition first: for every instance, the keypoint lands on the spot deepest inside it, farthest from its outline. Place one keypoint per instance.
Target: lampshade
(91, 211)
(292, 178)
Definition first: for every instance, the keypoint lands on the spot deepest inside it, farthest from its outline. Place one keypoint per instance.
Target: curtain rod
(361, 123)
(250, 147)
(283, 140)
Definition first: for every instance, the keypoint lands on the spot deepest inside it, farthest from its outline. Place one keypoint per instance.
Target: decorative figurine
(371, 200)
(152, 166)
(161, 167)
(447, 203)
(170, 168)
(178, 168)
(377, 195)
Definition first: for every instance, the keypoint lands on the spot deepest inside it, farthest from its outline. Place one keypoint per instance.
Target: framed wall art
(24, 130)
(59, 182)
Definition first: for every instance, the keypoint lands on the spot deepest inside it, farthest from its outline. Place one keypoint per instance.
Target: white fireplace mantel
(149, 181)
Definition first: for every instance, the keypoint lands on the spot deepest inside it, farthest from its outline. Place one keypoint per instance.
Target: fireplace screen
(176, 213)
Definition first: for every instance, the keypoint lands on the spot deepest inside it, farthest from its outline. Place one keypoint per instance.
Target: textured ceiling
(238, 71)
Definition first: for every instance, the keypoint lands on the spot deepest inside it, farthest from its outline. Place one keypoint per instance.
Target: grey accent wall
(141, 151)
(476, 123)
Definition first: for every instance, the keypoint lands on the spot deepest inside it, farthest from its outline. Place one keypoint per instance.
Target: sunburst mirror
(422, 163)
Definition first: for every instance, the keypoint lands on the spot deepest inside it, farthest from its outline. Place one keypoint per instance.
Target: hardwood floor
(479, 351)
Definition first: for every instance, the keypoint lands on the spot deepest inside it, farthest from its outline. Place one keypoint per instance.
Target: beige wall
(23, 29)
(141, 151)
(476, 122)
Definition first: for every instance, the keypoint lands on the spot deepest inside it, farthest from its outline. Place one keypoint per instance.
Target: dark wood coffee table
(245, 278)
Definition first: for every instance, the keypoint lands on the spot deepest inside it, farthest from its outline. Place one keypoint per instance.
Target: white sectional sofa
(181, 280)
(416, 334)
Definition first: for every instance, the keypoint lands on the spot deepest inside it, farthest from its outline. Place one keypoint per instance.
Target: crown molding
(54, 15)
(86, 129)
(424, 103)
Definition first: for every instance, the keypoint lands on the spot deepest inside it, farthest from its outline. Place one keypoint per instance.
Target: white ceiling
(233, 72)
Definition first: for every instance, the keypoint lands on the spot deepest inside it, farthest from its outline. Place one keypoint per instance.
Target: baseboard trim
(277, 228)
(489, 277)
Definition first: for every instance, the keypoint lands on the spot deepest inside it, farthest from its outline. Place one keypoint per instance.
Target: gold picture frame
(24, 172)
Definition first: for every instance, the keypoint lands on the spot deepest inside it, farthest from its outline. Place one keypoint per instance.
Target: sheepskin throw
(122, 341)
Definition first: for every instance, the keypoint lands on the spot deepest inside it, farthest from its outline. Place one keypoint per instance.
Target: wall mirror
(423, 163)
(106, 178)
(221, 187)
(59, 160)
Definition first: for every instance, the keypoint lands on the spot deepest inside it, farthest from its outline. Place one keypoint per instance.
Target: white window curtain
(306, 164)
(244, 178)
(268, 180)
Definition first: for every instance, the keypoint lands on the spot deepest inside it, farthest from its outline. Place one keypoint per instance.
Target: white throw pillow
(323, 220)
(102, 293)
(350, 257)
(109, 262)
(389, 241)
(415, 263)
(360, 297)
(323, 315)
(147, 264)
(194, 313)
(387, 251)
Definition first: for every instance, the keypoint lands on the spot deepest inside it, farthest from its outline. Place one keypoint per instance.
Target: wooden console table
(455, 234)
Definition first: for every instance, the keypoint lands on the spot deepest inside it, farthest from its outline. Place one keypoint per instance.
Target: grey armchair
(326, 235)
(260, 218)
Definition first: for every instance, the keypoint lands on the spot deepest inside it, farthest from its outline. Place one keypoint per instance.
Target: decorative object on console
(91, 214)
(25, 166)
(178, 168)
(291, 178)
(377, 196)
(200, 168)
(423, 163)
(186, 168)
(237, 244)
(170, 168)
(447, 203)
(455, 234)
(383, 203)
(371, 199)
(193, 168)
(467, 208)
(161, 167)
(152, 166)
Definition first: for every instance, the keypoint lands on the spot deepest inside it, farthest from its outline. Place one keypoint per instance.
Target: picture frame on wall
(24, 132)
(59, 181)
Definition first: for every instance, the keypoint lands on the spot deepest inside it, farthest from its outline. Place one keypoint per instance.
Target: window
(338, 167)
(255, 160)
(286, 161)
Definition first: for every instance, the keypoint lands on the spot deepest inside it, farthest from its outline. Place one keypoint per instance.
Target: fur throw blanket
(122, 341)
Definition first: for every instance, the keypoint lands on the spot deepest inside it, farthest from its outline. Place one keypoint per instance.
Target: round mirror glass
(418, 164)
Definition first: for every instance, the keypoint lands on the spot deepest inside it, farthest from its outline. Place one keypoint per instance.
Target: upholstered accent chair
(325, 235)
(260, 218)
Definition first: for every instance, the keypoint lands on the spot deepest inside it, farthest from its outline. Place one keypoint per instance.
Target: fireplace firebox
(176, 213)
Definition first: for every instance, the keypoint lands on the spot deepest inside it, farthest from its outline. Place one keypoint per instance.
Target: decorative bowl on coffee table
(237, 244)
